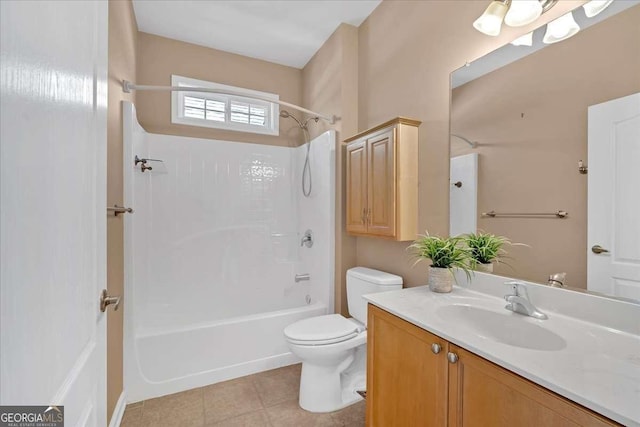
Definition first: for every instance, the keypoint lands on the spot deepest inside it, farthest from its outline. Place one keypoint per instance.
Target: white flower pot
(486, 268)
(440, 280)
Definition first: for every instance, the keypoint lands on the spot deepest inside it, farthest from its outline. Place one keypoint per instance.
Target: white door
(463, 194)
(614, 197)
(53, 60)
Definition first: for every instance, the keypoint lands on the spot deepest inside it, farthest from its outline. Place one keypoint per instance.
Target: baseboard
(118, 411)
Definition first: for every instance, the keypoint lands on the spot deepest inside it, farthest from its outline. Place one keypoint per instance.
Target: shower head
(306, 169)
(286, 115)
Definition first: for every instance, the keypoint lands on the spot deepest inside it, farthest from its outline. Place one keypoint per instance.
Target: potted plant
(445, 255)
(485, 249)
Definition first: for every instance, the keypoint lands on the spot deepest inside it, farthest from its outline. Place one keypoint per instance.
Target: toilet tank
(362, 281)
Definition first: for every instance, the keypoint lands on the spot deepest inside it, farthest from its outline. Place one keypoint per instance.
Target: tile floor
(266, 399)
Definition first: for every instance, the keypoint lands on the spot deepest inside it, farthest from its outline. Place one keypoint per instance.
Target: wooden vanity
(415, 378)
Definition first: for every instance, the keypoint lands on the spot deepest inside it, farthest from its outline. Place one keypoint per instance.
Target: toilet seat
(322, 330)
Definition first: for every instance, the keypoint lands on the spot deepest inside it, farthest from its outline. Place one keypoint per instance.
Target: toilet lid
(321, 329)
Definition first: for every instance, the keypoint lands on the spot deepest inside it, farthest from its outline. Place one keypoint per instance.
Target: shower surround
(211, 253)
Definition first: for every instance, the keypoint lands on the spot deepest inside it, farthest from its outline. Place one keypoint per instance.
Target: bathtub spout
(301, 277)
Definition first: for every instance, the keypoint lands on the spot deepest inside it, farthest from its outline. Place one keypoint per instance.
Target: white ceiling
(287, 32)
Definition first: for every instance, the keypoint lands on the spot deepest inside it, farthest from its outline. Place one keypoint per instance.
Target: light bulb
(490, 22)
(523, 12)
(526, 40)
(594, 7)
(561, 29)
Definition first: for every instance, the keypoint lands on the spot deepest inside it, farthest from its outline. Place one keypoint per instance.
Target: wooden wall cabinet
(382, 181)
(412, 382)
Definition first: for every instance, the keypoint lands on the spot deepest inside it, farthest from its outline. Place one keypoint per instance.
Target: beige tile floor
(266, 399)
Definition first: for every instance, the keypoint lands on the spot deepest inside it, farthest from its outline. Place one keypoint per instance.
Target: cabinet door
(484, 394)
(381, 200)
(357, 187)
(406, 380)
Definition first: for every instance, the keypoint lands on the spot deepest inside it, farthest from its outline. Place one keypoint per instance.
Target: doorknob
(597, 249)
(106, 300)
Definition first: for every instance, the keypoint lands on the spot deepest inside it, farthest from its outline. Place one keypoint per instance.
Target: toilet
(333, 348)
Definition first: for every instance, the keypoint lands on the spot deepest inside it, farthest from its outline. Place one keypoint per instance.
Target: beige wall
(397, 63)
(123, 33)
(159, 58)
(330, 86)
(529, 163)
(407, 50)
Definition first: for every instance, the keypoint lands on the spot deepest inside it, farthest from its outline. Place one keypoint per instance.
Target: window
(231, 112)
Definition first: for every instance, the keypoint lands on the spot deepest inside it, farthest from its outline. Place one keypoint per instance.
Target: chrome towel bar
(494, 214)
(117, 210)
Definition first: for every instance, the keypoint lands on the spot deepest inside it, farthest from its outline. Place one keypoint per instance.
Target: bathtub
(177, 360)
(211, 255)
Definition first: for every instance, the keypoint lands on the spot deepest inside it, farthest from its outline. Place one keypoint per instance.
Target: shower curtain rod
(127, 87)
(473, 144)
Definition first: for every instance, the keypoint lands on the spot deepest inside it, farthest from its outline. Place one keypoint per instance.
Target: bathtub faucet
(307, 239)
(301, 277)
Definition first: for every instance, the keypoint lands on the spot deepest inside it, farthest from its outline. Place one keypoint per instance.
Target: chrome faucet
(557, 280)
(519, 301)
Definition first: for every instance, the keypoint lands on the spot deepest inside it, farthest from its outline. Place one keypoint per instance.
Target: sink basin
(507, 328)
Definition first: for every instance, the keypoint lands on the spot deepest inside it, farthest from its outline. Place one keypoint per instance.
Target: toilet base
(328, 389)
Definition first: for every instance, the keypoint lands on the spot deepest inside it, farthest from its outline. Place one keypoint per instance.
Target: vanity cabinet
(415, 378)
(406, 373)
(382, 181)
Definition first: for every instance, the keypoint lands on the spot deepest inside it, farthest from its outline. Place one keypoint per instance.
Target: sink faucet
(519, 301)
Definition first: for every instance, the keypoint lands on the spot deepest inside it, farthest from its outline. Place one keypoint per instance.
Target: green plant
(444, 253)
(485, 248)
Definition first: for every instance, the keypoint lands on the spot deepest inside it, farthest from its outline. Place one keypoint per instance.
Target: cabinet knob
(452, 357)
(435, 348)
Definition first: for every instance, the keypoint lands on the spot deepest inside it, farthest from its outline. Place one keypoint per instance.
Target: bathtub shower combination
(212, 253)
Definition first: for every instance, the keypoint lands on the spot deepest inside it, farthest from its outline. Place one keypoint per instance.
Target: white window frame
(177, 106)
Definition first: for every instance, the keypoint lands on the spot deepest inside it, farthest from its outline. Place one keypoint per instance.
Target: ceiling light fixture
(514, 13)
(561, 29)
(594, 7)
(523, 12)
(526, 40)
(490, 22)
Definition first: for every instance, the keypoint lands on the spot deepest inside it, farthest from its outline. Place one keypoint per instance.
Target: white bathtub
(178, 360)
(211, 255)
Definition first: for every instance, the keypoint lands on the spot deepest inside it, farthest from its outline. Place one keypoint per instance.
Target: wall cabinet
(382, 181)
(415, 378)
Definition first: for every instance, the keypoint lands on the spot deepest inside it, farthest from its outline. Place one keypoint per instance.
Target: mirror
(520, 125)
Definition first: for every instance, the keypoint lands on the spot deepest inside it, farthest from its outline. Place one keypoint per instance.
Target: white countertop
(597, 366)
